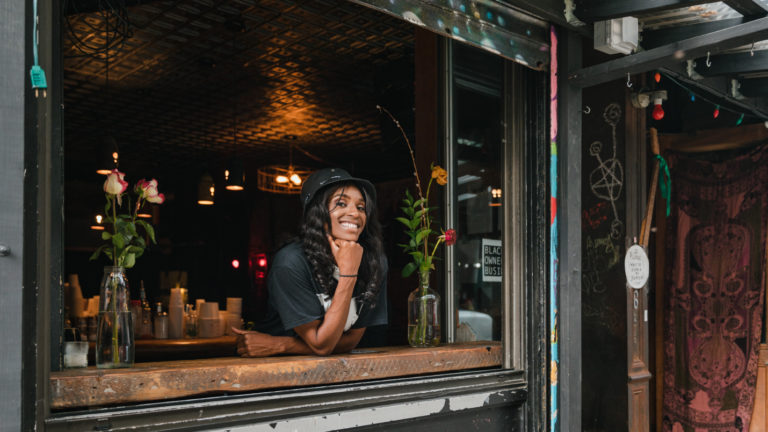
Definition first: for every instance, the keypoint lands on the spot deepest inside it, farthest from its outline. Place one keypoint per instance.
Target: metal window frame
(514, 213)
(43, 241)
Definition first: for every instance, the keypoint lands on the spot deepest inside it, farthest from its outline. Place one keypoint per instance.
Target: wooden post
(637, 299)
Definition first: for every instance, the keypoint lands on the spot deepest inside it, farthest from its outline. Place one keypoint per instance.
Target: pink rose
(115, 185)
(148, 190)
(450, 237)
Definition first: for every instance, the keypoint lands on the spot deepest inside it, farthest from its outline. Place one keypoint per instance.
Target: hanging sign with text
(636, 266)
(491, 260)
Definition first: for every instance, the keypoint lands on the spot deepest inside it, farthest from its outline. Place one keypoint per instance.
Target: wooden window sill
(158, 381)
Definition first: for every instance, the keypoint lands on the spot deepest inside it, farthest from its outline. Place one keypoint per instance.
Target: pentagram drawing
(607, 179)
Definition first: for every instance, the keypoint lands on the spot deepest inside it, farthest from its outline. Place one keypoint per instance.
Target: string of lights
(718, 108)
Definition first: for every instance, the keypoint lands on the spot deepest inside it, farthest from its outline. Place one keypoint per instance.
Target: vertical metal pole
(513, 237)
(568, 270)
(449, 300)
(554, 347)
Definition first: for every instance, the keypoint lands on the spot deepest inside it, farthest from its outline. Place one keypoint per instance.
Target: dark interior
(186, 88)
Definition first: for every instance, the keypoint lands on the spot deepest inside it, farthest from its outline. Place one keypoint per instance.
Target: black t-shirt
(293, 297)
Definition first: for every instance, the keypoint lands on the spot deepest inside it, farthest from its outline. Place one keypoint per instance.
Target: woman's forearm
(323, 336)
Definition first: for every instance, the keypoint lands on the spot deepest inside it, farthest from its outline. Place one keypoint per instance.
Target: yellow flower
(440, 175)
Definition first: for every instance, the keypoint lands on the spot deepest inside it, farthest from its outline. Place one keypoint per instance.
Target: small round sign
(636, 266)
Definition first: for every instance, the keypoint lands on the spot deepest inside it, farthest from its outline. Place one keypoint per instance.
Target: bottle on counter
(136, 316)
(161, 322)
(176, 314)
(190, 322)
(145, 326)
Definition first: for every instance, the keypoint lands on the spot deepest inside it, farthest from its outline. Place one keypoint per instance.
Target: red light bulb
(716, 112)
(657, 77)
(658, 111)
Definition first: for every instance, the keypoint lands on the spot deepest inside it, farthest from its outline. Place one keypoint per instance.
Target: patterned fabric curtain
(714, 286)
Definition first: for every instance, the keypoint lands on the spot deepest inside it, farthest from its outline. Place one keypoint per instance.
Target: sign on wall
(491, 260)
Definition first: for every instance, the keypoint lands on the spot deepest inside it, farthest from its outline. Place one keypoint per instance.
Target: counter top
(157, 381)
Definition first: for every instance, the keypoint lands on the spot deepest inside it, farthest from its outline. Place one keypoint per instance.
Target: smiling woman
(326, 288)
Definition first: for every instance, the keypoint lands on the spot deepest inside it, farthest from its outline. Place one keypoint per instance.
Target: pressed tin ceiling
(185, 75)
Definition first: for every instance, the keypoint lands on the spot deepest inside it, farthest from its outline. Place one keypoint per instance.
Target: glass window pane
(478, 131)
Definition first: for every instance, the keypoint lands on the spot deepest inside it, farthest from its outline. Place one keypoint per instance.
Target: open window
(185, 93)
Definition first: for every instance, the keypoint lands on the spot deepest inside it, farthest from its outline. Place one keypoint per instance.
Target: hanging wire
(114, 23)
(700, 97)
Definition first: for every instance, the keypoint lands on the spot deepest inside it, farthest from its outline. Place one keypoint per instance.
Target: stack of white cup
(176, 314)
(234, 313)
(208, 320)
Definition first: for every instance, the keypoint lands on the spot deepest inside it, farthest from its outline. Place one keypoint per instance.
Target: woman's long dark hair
(318, 251)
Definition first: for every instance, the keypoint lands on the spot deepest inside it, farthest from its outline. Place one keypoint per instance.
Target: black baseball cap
(328, 176)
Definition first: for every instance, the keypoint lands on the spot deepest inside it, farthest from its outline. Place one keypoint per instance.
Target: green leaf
(118, 240)
(140, 242)
(149, 229)
(417, 256)
(422, 234)
(404, 221)
(108, 253)
(415, 223)
(106, 235)
(131, 229)
(408, 269)
(98, 251)
(407, 210)
(130, 260)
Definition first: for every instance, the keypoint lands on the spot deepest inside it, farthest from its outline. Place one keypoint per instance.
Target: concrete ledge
(91, 387)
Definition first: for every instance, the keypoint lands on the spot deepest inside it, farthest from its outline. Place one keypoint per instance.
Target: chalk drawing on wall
(607, 180)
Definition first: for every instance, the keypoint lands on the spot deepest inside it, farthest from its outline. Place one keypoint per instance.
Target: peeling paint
(109, 390)
(235, 385)
(377, 415)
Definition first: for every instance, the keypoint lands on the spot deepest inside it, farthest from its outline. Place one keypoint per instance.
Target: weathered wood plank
(90, 387)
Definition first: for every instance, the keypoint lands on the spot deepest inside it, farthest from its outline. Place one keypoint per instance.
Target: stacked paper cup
(234, 313)
(176, 314)
(208, 320)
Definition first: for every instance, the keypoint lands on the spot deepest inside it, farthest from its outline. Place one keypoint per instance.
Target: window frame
(43, 269)
(514, 215)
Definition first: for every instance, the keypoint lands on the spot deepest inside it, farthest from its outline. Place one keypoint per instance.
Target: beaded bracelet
(352, 275)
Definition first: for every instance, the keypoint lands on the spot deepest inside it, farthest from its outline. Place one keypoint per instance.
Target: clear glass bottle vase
(424, 314)
(114, 340)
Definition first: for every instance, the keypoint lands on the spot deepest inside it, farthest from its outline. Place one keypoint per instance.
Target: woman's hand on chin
(347, 254)
(251, 343)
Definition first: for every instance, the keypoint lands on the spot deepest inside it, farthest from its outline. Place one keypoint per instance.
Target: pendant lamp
(282, 179)
(235, 176)
(205, 190)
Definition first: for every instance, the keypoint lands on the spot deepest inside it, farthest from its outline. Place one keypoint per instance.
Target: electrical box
(616, 36)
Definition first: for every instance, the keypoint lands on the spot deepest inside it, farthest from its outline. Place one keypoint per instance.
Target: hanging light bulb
(295, 179)
(110, 155)
(716, 112)
(741, 119)
(657, 77)
(205, 190)
(693, 97)
(98, 226)
(658, 111)
(281, 179)
(235, 177)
